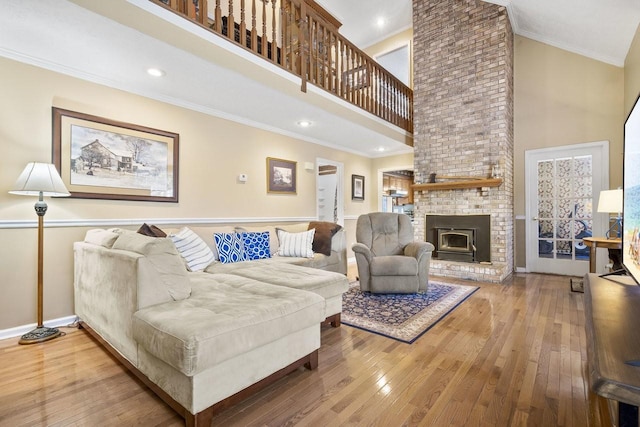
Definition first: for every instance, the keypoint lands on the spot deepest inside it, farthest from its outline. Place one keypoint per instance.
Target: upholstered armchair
(388, 259)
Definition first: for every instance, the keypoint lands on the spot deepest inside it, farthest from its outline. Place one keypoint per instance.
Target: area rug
(404, 317)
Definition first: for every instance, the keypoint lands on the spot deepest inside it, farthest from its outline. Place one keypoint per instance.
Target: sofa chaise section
(230, 333)
(327, 284)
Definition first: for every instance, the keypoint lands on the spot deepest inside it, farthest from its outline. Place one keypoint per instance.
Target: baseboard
(21, 330)
(521, 270)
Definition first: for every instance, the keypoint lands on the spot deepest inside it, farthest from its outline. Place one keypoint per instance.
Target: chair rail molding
(69, 223)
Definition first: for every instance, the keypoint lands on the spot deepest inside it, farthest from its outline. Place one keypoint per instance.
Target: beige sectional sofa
(203, 340)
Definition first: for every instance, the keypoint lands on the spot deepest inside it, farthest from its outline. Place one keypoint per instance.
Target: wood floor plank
(513, 354)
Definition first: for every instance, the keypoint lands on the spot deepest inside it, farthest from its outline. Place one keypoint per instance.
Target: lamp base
(39, 334)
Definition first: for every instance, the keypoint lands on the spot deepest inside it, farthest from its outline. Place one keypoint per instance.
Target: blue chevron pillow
(230, 247)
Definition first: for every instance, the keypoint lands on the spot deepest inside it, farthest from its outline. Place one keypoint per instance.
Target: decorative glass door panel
(565, 207)
(561, 185)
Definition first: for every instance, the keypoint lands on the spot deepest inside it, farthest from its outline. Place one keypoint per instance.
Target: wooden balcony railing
(299, 36)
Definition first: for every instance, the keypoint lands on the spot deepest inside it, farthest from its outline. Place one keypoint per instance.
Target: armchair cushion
(394, 265)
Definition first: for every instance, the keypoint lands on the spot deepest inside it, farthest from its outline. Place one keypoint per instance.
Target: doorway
(330, 191)
(396, 194)
(562, 184)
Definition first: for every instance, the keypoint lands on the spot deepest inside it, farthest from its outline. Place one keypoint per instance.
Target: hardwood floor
(511, 355)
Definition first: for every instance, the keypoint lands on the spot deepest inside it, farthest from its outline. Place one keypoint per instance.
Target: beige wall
(632, 74)
(213, 152)
(562, 98)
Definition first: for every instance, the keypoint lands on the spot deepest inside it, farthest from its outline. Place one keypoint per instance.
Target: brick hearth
(463, 121)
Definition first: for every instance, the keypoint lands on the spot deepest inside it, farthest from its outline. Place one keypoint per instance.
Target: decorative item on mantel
(449, 182)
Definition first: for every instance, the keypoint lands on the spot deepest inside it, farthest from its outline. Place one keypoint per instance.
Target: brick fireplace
(463, 124)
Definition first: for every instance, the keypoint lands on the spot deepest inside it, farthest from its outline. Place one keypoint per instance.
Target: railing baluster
(217, 18)
(360, 84)
(254, 30)
(204, 15)
(285, 41)
(243, 27)
(191, 10)
(331, 86)
(343, 70)
(313, 50)
(231, 24)
(290, 16)
(352, 76)
(274, 37)
(326, 51)
(264, 28)
(303, 45)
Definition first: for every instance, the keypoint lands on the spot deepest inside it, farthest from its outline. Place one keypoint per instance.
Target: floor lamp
(40, 179)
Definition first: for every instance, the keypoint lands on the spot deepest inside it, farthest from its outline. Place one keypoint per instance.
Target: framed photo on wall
(357, 187)
(100, 158)
(281, 176)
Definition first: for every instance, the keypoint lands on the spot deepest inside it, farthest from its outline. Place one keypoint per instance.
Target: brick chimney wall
(463, 121)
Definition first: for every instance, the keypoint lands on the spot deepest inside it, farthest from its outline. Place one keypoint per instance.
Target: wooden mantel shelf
(456, 185)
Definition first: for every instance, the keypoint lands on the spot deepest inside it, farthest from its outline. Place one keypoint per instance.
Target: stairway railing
(299, 36)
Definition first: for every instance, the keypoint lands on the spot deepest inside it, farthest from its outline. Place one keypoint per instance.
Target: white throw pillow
(296, 244)
(196, 253)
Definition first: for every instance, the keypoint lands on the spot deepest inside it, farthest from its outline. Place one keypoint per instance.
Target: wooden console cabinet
(612, 322)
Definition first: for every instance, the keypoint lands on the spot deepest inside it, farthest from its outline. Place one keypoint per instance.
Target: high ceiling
(601, 30)
(113, 42)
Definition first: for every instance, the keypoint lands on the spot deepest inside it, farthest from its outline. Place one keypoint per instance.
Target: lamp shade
(610, 201)
(40, 177)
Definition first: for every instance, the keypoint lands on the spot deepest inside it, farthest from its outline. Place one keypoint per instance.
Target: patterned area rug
(404, 317)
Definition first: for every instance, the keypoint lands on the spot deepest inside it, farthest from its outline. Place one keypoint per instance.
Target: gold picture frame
(281, 176)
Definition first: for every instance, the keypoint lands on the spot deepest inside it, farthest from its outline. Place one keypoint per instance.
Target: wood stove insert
(464, 238)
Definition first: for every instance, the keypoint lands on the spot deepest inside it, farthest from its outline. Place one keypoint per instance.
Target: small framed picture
(281, 176)
(357, 187)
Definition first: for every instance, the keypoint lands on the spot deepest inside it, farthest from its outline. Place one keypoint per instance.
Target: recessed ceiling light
(155, 72)
(380, 149)
(304, 123)
(380, 22)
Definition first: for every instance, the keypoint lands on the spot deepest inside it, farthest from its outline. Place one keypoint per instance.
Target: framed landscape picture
(357, 187)
(100, 158)
(281, 176)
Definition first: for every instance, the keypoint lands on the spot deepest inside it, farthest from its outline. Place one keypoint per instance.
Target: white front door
(562, 186)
